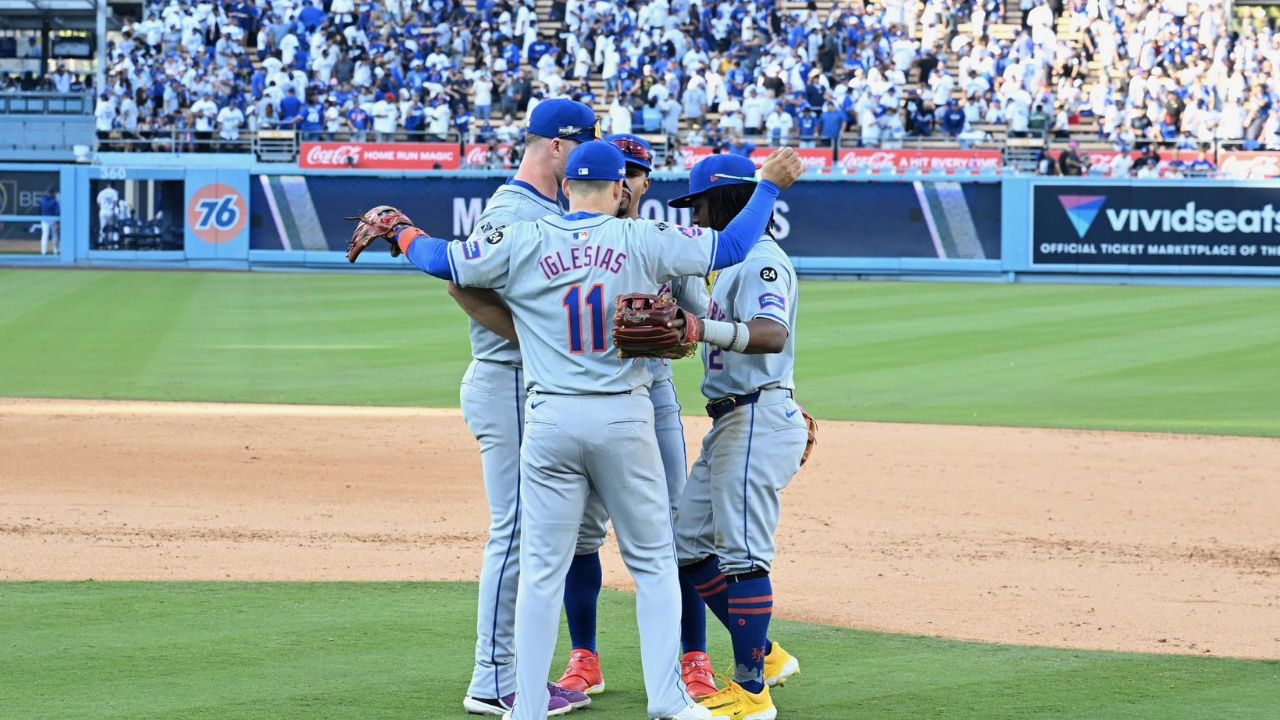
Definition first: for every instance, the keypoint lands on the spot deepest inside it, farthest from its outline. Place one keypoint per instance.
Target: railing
(46, 103)
(1020, 154)
(267, 145)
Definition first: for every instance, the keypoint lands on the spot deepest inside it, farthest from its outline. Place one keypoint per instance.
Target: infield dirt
(1099, 540)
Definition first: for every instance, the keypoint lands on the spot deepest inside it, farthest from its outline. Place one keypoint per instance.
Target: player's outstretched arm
(428, 254)
(779, 172)
(486, 307)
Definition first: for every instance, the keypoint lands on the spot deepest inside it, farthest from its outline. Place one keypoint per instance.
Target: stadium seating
(1007, 73)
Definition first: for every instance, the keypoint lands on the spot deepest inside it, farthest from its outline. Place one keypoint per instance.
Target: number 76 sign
(217, 213)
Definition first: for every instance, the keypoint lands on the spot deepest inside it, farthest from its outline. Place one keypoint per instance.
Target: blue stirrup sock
(581, 595)
(693, 617)
(750, 604)
(709, 583)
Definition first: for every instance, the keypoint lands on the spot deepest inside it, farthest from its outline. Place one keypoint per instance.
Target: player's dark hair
(724, 204)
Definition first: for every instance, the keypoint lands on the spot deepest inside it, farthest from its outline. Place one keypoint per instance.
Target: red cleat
(699, 678)
(583, 674)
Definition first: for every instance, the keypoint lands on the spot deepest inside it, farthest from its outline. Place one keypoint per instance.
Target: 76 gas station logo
(217, 213)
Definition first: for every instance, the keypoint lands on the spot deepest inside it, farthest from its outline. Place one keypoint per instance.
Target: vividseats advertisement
(1183, 224)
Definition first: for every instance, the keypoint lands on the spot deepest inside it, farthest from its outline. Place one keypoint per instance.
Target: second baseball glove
(813, 434)
(640, 328)
(380, 222)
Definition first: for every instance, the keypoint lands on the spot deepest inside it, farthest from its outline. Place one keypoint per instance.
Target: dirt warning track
(1117, 541)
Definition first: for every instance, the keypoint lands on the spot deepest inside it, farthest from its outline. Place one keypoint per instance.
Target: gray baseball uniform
(493, 396)
(589, 423)
(691, 293)
(730, 505)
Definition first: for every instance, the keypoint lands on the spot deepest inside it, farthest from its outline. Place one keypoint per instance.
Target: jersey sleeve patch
(773, 300)
(471, 249)
(690, 232)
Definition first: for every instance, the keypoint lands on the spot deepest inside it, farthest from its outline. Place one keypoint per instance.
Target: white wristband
(728, 335)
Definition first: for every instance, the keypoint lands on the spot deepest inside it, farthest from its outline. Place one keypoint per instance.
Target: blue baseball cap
(703, 176)
(564, 119)
(596, 160)
(635, 150)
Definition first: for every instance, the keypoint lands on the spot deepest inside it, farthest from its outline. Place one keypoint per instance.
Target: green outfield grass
(378, 650)
(1174, 359)
(1134, 358)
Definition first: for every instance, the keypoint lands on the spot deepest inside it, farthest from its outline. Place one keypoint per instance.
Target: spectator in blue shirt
(921, 121)
(311, 16)
(258, 83)
(738, 146)
(1202, 163)
(807, 124)
(952, 119)
(416, 120)
(312, 118)
(814, 93)
(358, 119)
(290, 109)
(651, 117)
(831, 122)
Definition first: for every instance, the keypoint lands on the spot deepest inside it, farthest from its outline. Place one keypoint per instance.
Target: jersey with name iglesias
(561, 278)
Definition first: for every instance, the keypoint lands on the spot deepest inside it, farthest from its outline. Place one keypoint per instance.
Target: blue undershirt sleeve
(431, 256)
(742, 233)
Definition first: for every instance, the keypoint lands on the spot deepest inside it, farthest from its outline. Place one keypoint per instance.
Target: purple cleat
(555, 706)
(576, 700)
(503, 705)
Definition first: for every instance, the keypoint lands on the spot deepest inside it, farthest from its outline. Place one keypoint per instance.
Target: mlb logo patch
(471, 250)
(584, 171)
(774, 300)
(581, 236)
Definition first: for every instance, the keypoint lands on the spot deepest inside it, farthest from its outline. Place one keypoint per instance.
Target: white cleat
(692, 712)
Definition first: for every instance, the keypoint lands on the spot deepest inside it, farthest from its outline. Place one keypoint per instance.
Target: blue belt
(724, 406)
(590, 394)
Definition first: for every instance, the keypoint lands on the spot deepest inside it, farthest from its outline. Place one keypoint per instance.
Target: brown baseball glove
(640, 328)
(813, 434)
(380, 222)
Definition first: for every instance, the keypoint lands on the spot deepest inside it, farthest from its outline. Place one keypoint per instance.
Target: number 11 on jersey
(573, 302)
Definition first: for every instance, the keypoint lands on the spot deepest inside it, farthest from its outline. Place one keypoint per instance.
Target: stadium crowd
(726, 73)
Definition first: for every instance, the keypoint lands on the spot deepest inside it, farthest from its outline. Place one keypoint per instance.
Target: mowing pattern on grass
(1134, 358)
(235, 651)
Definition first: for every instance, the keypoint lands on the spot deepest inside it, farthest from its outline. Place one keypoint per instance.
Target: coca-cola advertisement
(902, 160)
(380, 156)
(479, 157)
(814, 159)
(1249, 165)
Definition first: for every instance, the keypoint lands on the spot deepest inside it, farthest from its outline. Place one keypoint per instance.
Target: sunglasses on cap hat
(633, 150)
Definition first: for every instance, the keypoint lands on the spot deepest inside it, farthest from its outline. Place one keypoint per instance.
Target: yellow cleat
(735, 702)
(779, 666)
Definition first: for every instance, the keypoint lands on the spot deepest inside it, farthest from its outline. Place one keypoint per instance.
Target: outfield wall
(943, 226)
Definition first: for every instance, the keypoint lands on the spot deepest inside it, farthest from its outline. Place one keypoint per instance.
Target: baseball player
(588, 417)
(493, 395)
(583, 583)
(108, 197)
(727, 517)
